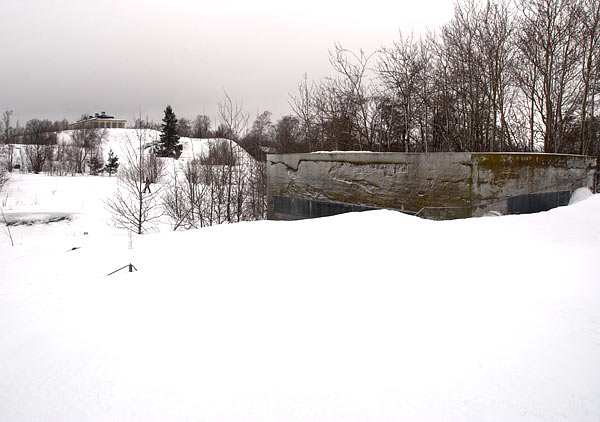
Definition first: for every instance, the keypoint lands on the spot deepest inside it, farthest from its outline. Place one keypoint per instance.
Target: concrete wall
(437, 185)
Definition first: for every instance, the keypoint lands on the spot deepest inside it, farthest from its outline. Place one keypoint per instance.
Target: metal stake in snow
(130, 266)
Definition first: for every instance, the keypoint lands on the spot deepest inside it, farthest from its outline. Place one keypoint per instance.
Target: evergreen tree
(95, 165)
(113, 163)
(169, 145)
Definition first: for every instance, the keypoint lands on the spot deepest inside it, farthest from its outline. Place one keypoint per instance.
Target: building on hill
(98, 121)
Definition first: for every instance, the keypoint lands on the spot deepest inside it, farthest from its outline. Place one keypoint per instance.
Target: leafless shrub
(219, 153)
(256, 191)
(7, 228)
(130, 207)
(154, 166)
(185, 200)
(85, 142)
(37, 156)
(203, 194)
(4, 176)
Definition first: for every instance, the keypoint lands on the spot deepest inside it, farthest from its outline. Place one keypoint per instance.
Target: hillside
(370, 316)
(119, 139)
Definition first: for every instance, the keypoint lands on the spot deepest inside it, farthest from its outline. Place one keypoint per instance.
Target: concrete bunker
(435, 185)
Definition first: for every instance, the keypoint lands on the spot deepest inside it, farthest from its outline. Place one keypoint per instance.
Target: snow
(119, 139)
(579, 195)
(365, 316)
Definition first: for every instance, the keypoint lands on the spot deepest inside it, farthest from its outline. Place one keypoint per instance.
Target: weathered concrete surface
(440, 185)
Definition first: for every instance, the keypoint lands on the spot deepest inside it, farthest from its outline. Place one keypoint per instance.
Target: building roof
(98, 116)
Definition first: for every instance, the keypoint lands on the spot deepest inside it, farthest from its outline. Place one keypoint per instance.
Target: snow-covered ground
(119, 141)
(370, 316)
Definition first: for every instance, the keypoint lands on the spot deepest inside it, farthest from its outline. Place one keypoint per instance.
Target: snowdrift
(369, 316)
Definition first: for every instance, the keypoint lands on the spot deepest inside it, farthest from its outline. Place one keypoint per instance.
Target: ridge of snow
(365, 316)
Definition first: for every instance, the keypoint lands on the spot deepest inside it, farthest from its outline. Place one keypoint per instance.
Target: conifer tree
(113, 163)
(95, 165)
(169, 145)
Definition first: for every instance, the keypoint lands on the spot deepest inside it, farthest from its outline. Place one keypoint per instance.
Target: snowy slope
(370, 316)
(117, 140)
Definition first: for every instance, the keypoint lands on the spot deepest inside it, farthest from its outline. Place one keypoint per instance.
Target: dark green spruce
(169, 145)
(112, 164)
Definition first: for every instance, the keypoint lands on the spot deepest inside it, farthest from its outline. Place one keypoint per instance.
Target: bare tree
(185, 201)
(233, 117)
(335, 117)
(3, 176)
(153, 166)
(39, 132)
(235, 120)
(3, 181)
(257, 191)
(5, 138)
(354, 87)
(216, 187)
(36, 156)
(467, 107)
(259, 136)
(549, 47)
(303, 105)
(590, 67)
(495, 37)
(130, 207)
(141, 123)
(201, 127)
(218, 192)
(7, 228)
(502, 75)
(6, 127)
(184, 127)
(287, 135)
(195, 193)
(85, 142)
(400, 68)
(454, 91)
(175, 203)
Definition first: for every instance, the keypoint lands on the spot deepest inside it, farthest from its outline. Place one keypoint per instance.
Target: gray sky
(62, 58)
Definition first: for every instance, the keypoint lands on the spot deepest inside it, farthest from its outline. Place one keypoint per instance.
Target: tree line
(260, 137)
(518, 75)
(502, 75)
(44, 131)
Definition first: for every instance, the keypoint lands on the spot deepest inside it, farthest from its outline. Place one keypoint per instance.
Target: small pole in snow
(129, 266)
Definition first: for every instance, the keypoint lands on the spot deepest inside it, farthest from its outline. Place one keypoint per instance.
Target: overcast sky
(63, 58)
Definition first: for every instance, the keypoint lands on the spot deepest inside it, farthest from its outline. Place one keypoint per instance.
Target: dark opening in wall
(536, 202)
(308, 208)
